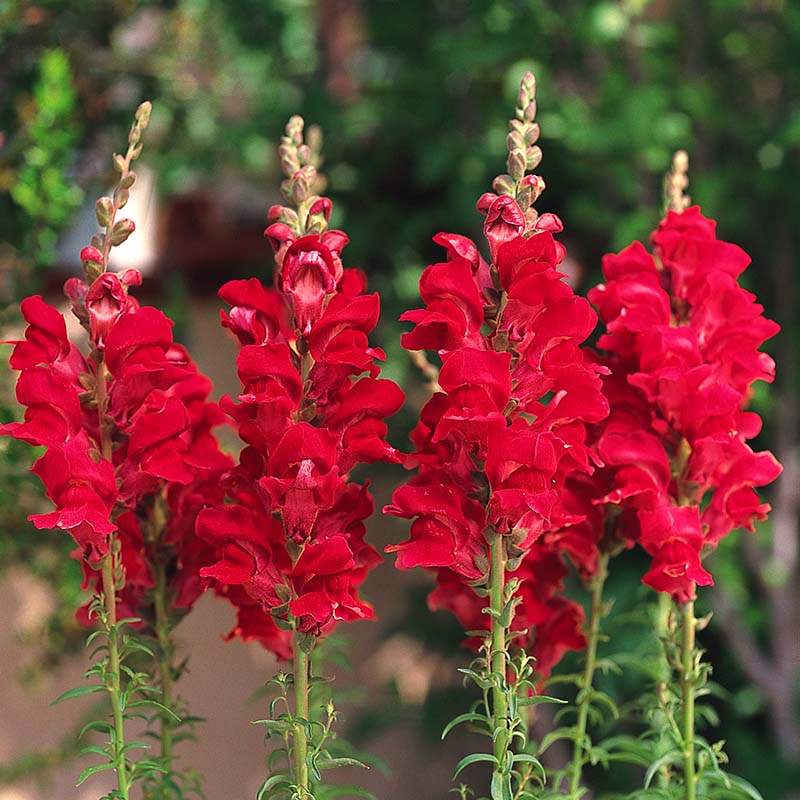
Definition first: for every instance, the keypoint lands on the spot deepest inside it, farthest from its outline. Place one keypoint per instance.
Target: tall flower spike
(682, 339)
(494, 447)
(127, 431)
(290, 545)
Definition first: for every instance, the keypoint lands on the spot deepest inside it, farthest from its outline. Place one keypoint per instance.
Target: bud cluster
(523, 155)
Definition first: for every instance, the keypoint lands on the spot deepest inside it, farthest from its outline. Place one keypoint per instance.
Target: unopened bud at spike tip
(143, 113)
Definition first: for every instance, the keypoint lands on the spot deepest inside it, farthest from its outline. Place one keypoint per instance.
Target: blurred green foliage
(413, 96)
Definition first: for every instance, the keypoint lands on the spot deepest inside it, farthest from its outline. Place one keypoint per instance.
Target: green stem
(109, 575)
(110, 601)
(165, 653)
(660, 720)
(300, 739)
(688, 681)
(587, 680)
(498, 652)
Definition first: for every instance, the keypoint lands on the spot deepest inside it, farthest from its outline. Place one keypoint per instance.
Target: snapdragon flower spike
(290, 549)
(126, 426)
(682, 340)
(494, 447)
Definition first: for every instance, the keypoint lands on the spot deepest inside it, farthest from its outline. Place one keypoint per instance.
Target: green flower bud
(103, 209)
(516, 164)
(503, 184)
(121, 231)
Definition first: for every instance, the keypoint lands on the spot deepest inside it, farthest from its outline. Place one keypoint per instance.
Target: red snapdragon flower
(289, 546)
(126, 429)
(682, 341)
(495, 446)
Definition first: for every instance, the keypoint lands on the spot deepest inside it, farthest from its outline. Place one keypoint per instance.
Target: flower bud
(533, 157)
(103, 210)
(289, 164)
(515, 141)
(310, 171)
(143, 114)
(93, 265)
(91, 255)
(119, 163)
(322, 205)
(503, 184)
(532, 133)
(516, 164)
(98, 241)
(121, 231)
(128, 180)
(530, 111)
(300, 186)
(121, 196)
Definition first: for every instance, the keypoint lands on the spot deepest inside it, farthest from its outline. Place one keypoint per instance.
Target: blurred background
(413, 97)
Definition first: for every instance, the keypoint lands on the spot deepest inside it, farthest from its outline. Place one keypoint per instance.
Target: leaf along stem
(584, 699)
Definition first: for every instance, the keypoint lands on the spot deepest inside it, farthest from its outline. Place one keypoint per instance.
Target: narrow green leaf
(527, 758)
(474, 758)
(341, 761)
(93, 749)
(734, 786)
(474, 718)
(536, 699)
(554, 736)
(270, 784)
(89, 771)
(78, 691)
(154, 704)
(98, 725)
(332, 792)
(501, 787)
(668, 758)
(135, 746)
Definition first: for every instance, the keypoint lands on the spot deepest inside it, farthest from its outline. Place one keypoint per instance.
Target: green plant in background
(36, 160)
(42, 186)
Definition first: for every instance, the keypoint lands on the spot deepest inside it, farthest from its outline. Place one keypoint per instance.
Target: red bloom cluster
(682, 340)
(495, 446)
(125, 429)
(290, 548)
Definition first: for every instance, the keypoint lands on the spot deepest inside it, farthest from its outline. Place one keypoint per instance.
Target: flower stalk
(110, 574)
(113, 682)
(585, 687)
(301, 721)
(688, 681)
(498, 650)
